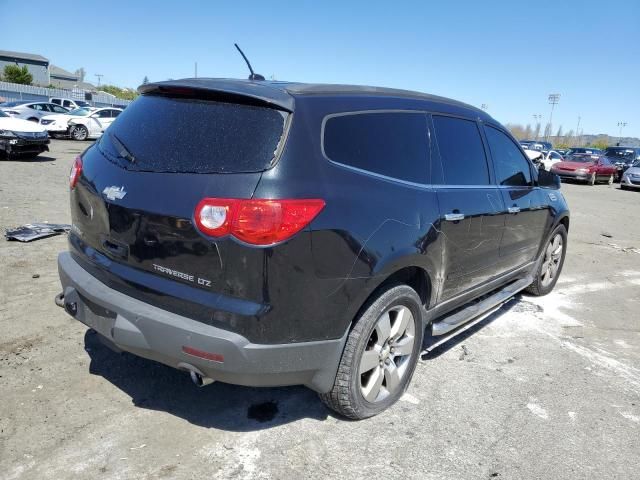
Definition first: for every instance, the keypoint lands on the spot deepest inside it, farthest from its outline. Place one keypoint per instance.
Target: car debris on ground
(35, 231)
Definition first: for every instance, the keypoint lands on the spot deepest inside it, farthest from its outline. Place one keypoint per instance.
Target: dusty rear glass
(186, 135)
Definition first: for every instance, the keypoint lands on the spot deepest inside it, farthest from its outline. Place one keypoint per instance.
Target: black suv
(266, 233)
(622, 157)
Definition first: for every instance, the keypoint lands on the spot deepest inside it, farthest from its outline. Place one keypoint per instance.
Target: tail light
(76, 171)
(258, 221)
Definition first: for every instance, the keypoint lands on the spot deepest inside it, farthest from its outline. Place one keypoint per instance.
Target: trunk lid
(141, 182)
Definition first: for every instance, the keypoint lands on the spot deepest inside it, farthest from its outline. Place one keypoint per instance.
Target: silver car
(631, 177)
(32, 111)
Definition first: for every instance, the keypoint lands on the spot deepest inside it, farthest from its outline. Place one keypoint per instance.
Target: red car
(587, 168)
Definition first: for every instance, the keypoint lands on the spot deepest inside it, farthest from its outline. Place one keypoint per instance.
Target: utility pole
(554, 98)
(578, 132)
(99, 75)
(621, 125)
(537, 118)
(196, 68)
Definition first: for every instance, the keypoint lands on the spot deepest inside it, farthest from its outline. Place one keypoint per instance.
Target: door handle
(513, 209)
(454, 217)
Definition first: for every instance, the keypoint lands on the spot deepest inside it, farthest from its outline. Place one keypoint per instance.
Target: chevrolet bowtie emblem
(114, 193)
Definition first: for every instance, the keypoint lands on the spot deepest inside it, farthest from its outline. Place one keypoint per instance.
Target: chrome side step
(454, 333)
(482, 309)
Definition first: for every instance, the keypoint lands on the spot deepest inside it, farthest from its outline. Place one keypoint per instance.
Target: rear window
(184, 135)
(393, 144)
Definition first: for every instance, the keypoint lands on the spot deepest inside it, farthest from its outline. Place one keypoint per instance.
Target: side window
(56, 101)
(555, 156)
(36, 106)
(512, 168)
(393, 144)
(67, 104)
(115, 113)
(463, 159)
(58, 109)
(104, 114)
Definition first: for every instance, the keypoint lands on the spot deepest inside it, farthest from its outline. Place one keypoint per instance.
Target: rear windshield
(184, 135)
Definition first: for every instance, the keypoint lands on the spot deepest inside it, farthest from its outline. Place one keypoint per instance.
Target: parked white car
(551, 158)
(544, 160)
(93, 125)
(69, 103)
(59, 124)
(21, 137)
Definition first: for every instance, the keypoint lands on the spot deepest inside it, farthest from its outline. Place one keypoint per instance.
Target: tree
(559, 134)
(527, 132)
(516, 130)
(537, 130)
(547, 131)
(16, 74)
(80, 73)
(124, 93)
(145, 80)
(601, 142)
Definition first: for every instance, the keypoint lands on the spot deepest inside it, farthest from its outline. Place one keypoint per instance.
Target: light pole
(578, 132)
(537, 119)
(99, 75)
(621, 125)
(554, 98)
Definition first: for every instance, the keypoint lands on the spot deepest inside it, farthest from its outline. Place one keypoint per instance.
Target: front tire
(550, 265)
(380, 355)
(79, 132)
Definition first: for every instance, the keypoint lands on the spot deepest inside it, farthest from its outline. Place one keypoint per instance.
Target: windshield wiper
(123, 152)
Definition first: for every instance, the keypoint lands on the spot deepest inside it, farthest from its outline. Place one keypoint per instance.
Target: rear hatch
(133, 206)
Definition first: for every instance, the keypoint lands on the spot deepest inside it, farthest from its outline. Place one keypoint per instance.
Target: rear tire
(550, 264)
(380, 355)
(79, 132)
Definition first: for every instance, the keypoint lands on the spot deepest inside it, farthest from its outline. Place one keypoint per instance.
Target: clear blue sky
(507, 55)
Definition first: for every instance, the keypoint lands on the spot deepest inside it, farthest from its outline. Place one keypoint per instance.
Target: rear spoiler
(240, 91)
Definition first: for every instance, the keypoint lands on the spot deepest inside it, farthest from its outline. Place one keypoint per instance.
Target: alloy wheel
(387, 356)
(552, 258)
(79, 133)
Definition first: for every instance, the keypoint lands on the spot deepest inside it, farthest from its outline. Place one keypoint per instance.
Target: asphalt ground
(544, 388)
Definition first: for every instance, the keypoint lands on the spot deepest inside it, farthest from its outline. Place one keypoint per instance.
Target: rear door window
(191, 135)
(393, 144)
(461, 151)
(512, 168)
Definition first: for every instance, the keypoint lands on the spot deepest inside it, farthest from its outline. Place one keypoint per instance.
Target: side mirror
(548, 180)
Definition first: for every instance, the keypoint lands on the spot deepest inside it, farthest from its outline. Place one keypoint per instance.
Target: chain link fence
(16, 92)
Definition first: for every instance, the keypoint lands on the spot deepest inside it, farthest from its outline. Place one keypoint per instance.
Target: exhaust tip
(199, 380)
(59, 299)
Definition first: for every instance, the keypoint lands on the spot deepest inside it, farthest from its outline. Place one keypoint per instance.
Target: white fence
(14, 92)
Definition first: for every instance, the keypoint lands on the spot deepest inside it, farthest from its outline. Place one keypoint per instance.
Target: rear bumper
(159, 335)
(21, 145)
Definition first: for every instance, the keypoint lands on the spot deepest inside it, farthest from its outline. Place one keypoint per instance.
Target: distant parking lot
(545, 388)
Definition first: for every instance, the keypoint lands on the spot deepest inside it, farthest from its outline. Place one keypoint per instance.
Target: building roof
(61, 73)
(23, 56)
(282, 94)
